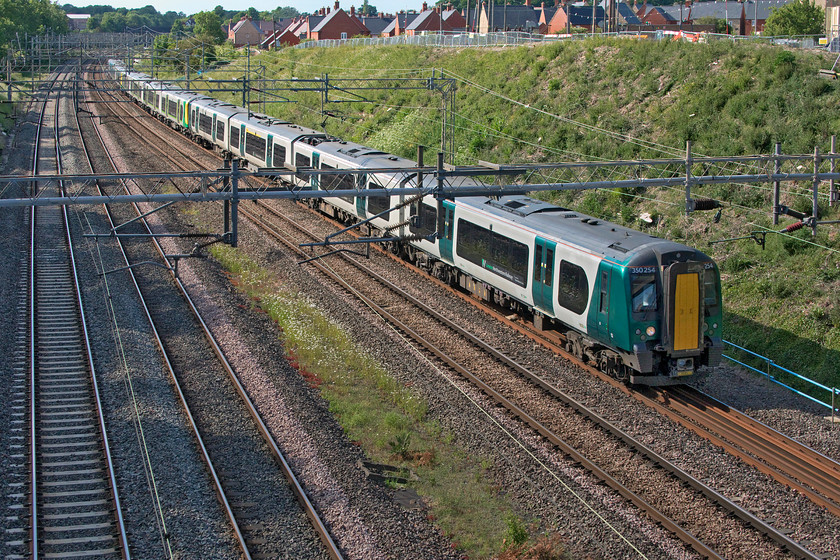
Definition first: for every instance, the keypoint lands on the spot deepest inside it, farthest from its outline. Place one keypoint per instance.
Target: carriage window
(255, 146)
(378, 204)
(605, 292)
(234, 137)
(424, 220)
(279, 155)
(496, 253)
(573, 288)
(643, 292)
(340, 182)
(172, 107)
(220, 131)
(710, 289)
(549, 266)
(302, 160)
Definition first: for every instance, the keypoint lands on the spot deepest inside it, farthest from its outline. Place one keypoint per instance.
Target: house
(657, 15)
(731, 11)
(398, 25)
(376, 24)
(756, 13)
(244, 32)
(427, 20)
(508, 18)
(338, 25)
(77, 22)
(302, 27)
(568, 17)
(454, 19)
(625, 15)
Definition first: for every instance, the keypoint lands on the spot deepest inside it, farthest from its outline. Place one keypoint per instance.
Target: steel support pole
(439, 197)
(832, 191)
(234, 203)
(777, 185)
(226, 211)
(815, 212)
(688, 162)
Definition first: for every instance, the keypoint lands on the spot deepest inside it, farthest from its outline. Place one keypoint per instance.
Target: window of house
(343, 34)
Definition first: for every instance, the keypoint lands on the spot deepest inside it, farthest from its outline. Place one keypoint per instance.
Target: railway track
(75, 511)
(784, 459)
(779, 537)
(235, 468)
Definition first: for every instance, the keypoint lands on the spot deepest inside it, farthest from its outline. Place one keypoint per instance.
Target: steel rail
(217, 483)
(35, 341)
(297, 488)
(769, 451)
(99, 408)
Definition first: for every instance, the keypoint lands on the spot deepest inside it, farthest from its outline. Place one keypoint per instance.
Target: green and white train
(645, 310)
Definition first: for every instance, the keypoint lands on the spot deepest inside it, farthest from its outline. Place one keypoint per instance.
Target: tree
(800, 17)
(253, 13)
(721, 26)
(367, 9)
(113, 22)
(208, 27)
(284, 12)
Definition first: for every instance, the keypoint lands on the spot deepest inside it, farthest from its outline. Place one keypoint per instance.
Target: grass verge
(390, 423)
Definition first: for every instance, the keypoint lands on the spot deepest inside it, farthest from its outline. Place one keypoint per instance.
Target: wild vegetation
(391, 424)
(624, 99)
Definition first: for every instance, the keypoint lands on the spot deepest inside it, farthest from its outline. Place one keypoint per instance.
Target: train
(645, 310)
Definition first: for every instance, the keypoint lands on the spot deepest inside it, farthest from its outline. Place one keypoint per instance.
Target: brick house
(337, 24)
(427, 20)
(568, 17)
(399, 23)
(244, 32)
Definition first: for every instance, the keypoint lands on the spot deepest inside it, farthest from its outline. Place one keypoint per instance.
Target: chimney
(542, 6)
(425, 7)
(437, 10)
(528, 3)
(336, 5)
(328, 9)
(352, 10)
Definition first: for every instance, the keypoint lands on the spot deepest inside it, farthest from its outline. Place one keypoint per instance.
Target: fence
(516, 38)
(808, 382)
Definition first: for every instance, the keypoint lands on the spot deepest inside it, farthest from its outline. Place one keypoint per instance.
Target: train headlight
(650, 331)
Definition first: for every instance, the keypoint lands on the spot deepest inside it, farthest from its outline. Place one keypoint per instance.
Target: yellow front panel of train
(686, 312)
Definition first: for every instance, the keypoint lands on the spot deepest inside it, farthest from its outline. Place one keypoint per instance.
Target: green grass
(386, 419)
(728, 99)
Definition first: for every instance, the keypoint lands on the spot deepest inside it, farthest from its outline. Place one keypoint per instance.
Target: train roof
(608, 239)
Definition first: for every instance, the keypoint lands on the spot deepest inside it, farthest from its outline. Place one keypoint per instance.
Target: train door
(316, 164)
(602, 316)
(361, 202)
(269, 152)
(544, 251)
(684, 313)
(213, 129)
(447, 235)
(242, 140)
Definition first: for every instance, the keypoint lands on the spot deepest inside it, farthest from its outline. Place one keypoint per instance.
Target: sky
(193, 6)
